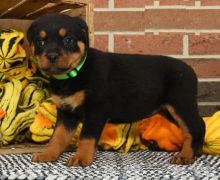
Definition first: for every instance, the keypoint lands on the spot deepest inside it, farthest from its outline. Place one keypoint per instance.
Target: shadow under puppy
(96, 87)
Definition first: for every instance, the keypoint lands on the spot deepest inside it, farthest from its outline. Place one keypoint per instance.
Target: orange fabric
(2, 114)
(167, 135)
(157, 128)
(109, 133)
(44, 122)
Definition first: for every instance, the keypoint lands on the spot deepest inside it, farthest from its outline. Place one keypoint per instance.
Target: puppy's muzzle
(52, 57)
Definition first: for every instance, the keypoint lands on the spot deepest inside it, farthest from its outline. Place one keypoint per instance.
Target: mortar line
(156, 3)
(118, 9)
(178, 7)
(208, 103)
(152, 30)
(111, 42)
(196, 56)
(197, 3)
(197, 7)
(186, 45)
(209, 79)
(111, 4)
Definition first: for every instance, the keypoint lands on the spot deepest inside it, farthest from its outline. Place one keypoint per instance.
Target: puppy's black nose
(52, 57)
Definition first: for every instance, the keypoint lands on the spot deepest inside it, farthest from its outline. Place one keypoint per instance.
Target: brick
(182, 18)
(204, 44)
(101, 42)
(158, 19)
(210, 2)
(149, 44)
(100, 3)
(119, 21)
(209, 92)
(178, 2)
(132, 3)
(205, 68)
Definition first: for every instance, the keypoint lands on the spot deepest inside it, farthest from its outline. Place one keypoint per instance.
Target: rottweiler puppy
(96, 87)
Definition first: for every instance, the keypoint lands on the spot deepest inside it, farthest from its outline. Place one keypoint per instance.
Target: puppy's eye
(68, 41)
(40, 43)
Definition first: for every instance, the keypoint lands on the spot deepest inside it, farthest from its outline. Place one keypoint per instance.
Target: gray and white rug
(111, 166)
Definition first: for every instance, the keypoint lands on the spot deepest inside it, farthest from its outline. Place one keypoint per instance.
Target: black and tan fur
(110, 87)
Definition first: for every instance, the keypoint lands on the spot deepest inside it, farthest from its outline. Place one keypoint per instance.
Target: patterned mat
(112, 165)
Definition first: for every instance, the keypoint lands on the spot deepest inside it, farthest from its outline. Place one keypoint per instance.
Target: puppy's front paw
(84, 154)
(44, 157)
(79, 161)
(179, 159)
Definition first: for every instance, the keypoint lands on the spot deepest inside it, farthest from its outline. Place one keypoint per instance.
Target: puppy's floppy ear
(84, 28)
(86, 35)
(30, 33)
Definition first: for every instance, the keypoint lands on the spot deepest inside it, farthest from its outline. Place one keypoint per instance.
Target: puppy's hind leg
(193, 128)
(181, 102)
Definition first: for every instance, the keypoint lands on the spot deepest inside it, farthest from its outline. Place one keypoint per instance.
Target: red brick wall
(186, 29)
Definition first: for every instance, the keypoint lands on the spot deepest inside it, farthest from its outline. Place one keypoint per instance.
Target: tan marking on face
(62, 32)
(57, 145)
(75, 100)
(187, 150)
(42, 61)
(43, 34)
(65, 60)
(81, 46)
(75, 58)
(71, 60)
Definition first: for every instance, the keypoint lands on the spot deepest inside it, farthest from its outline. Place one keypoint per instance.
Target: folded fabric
(164, 134)
(113, 136)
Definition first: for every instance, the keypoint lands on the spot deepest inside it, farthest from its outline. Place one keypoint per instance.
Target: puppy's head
(59, 42)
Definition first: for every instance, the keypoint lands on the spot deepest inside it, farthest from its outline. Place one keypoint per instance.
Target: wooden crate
(18, 14)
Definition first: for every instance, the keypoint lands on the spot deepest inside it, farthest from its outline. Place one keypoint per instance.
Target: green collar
(74, 72)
